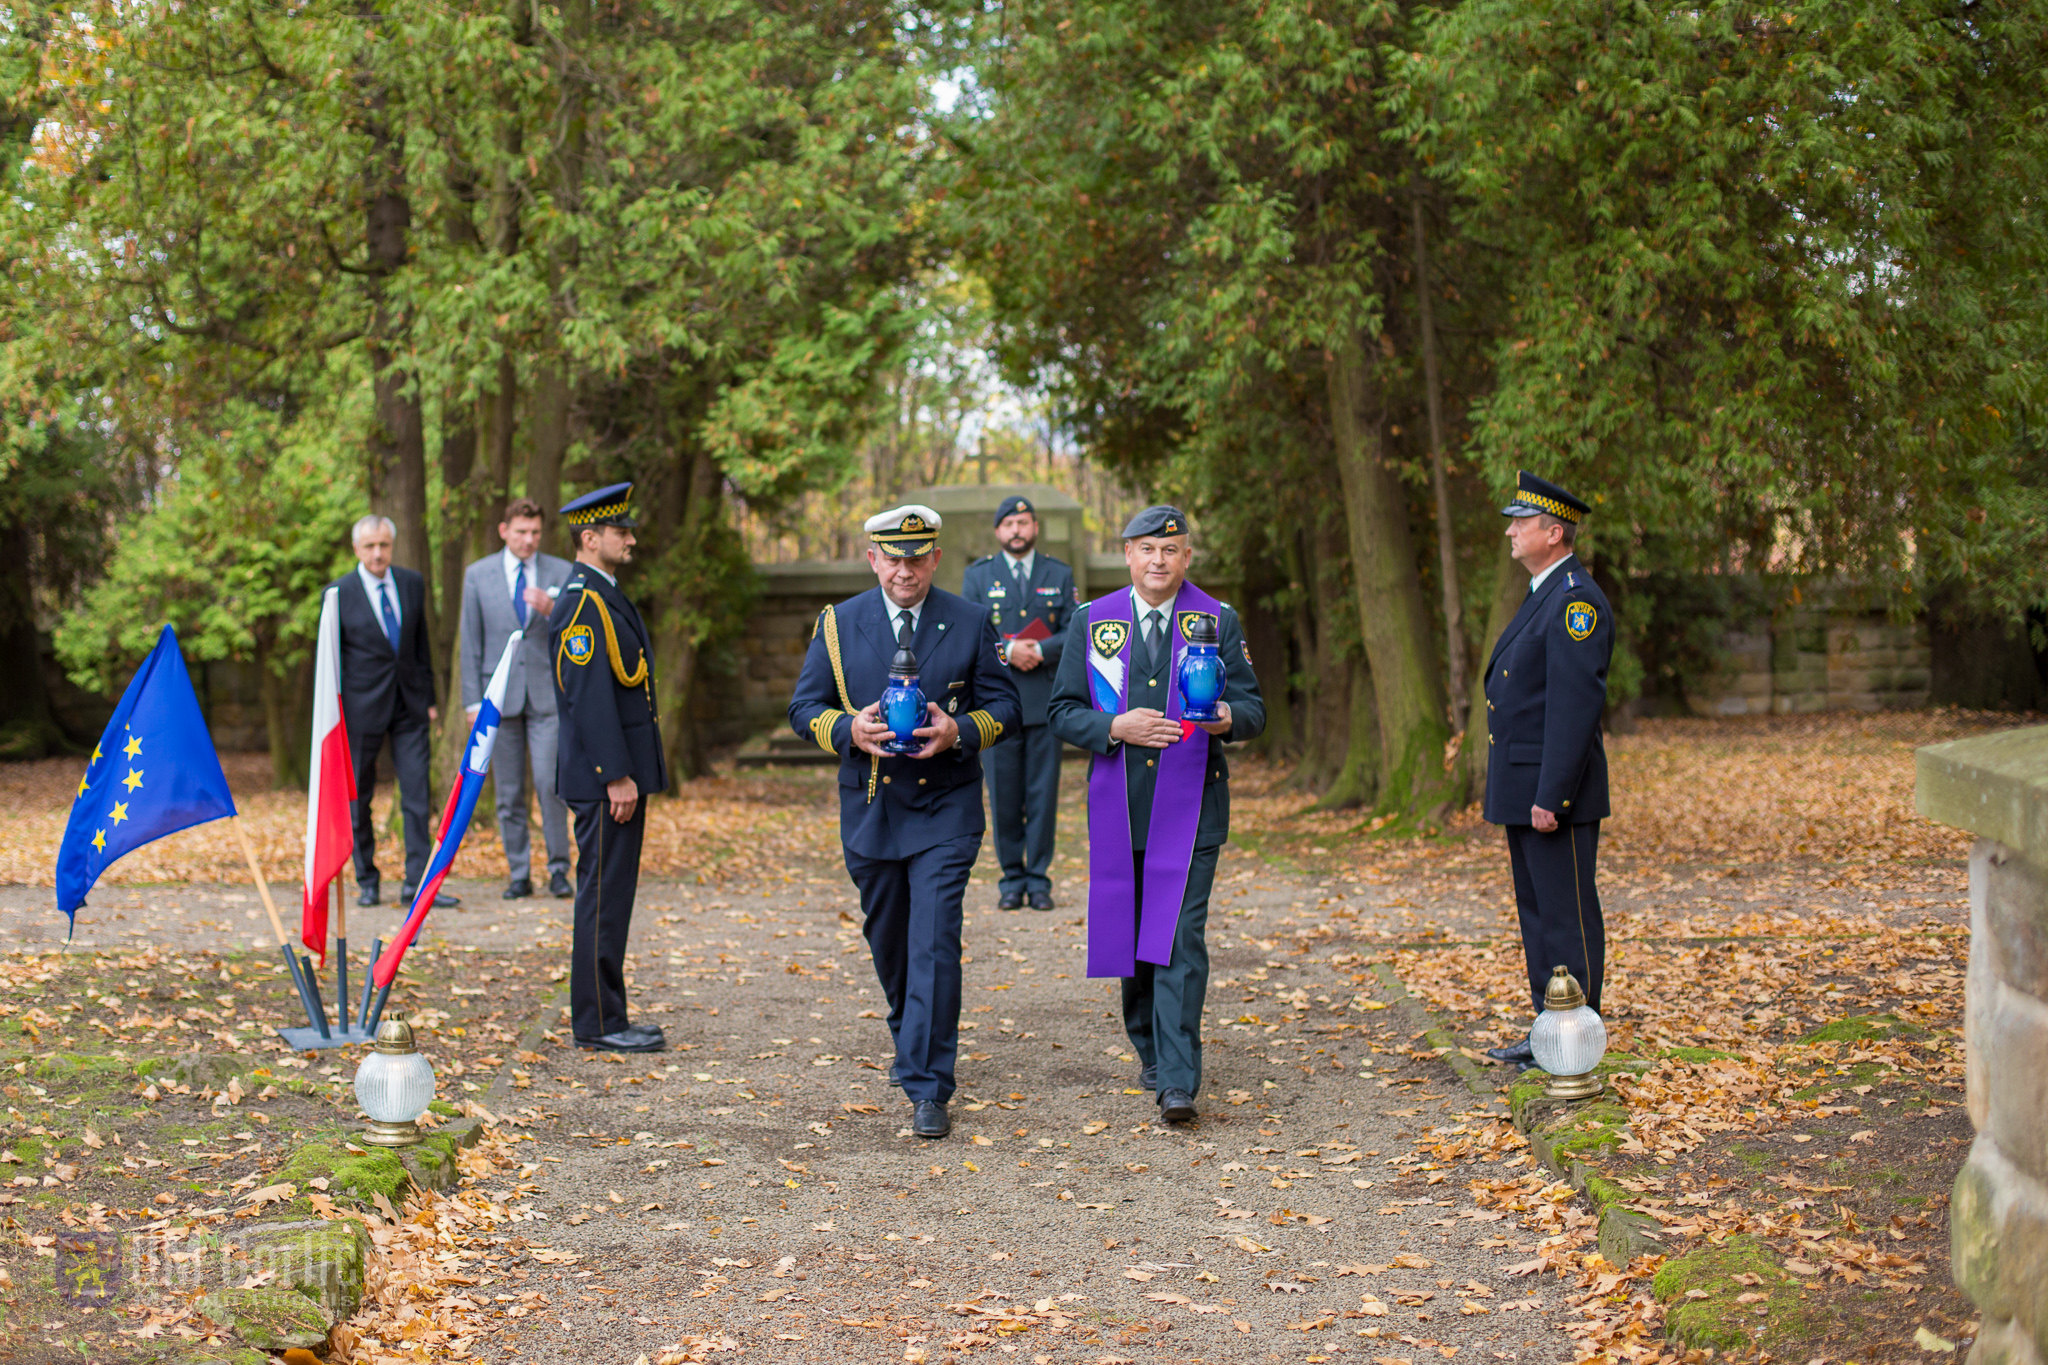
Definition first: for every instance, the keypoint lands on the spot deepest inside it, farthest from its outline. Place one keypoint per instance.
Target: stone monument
(1996, 786)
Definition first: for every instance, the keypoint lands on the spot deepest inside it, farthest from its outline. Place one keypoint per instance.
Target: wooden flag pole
(262, 886)
(307, 997)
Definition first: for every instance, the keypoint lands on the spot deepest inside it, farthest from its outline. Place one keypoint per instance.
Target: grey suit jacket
(488, 621)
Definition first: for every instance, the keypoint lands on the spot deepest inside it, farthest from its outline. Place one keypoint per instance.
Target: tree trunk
(491, 480)
(1446, 535)
(287, 720)
(548, 442)
(398, 440)
(28, 727)
(688, 502)
(1392, 618)
(1265, 638)
(1510, 586)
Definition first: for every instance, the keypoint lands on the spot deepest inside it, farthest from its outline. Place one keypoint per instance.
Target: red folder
(1037, 630)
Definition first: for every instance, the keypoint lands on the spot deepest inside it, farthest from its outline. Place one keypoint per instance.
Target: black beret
(1160, 520)
(1014, 504)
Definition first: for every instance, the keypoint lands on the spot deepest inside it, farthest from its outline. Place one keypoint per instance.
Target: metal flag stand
(318, 1033)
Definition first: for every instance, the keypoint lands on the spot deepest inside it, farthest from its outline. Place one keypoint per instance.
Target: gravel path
(758, 1180)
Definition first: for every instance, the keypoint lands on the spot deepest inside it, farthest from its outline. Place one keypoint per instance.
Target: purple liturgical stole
(1116, 941)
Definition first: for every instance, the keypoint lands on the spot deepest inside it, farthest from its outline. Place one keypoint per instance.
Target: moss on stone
(1859, 1028)
(270, 1319)
(357, 1177)
(1598, 1127)
(444, 1109)
(1698, 1054)
(322, 1259)
(1781, 1319)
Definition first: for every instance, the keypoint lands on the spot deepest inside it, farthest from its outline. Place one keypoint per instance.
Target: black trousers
(607, 879)
(409, 758)
(1559, 904)
(1024, 796)
(913, 930)
(1163, 1005)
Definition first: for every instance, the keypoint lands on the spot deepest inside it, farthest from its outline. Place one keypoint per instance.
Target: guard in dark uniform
(608, 764)
(1546, 769)
(1030, 597)
(911, 825)
(1117, 696)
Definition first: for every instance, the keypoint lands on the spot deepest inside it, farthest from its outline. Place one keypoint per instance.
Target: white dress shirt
(896, 614)
(1021, 566)
(374, 587)
(1139, 608)
(1539, 579)
(512, 564)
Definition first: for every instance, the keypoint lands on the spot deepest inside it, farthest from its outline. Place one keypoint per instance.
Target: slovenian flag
(476, 766)
(331, 788)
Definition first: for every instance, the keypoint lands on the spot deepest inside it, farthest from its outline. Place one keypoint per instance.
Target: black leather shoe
(646, 1031)
(1176, 1106)
(622, 1041)
(519, 890)
(929, 1120)
(367, 895)
(1514, 1054)
(895, 1076)
(1041, 900)
(1011, 900)
(1149, 1077)
(441, 898)
(559, 888)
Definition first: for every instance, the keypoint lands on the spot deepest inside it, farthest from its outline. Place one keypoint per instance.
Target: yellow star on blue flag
(122, 805)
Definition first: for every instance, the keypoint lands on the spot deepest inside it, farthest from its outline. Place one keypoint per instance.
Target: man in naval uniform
(1158, 794)
(911, 825)
(608, 763)
(1029, 597)
(1546, 770)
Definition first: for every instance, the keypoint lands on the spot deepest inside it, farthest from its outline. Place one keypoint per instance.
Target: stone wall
(1820, 658)
(1996, 786)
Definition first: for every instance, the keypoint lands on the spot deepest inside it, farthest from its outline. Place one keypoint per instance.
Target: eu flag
(154, 772)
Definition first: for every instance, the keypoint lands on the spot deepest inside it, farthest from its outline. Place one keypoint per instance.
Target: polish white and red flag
(331, 784)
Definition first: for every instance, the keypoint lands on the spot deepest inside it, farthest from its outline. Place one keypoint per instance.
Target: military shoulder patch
(1579, 619)
(579, 644)
(1247, 647)
(1109, 637)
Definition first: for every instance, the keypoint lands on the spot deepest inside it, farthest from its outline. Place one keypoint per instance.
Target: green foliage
(1777, 278)
(233, 555)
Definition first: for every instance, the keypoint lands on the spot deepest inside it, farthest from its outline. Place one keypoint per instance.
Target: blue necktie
(519, 608)
(390, 615)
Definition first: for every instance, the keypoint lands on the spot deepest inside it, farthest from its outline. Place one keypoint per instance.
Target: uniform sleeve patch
(1579, 619)
(579, 644)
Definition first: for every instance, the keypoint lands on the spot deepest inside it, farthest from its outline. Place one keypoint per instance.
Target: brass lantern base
(382, 1134)
(1575, 1087)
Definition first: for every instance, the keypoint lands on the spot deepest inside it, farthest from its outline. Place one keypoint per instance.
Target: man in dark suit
(911, 824)
(609, 761)
(1026, 593)
(1158, 793)
(387, 692)
(1546, 769)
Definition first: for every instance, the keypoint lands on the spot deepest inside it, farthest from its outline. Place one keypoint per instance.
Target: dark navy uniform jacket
(914, 804)
(1075, 720)
(1546, 686)
(1048, 597)
(604, 690)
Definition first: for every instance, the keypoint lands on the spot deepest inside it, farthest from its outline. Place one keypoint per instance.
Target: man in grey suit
(515, 589)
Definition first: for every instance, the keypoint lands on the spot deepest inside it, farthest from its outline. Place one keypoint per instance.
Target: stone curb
(1623, 1234)
(1408, 1007)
